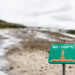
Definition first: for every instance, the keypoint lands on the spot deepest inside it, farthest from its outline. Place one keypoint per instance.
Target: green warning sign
(62, 53)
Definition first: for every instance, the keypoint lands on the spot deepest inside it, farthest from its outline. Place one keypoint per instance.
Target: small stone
(41, 67)
(25, 71)
(70, 67)
(40, 70)
(18, 66)
(11, 68)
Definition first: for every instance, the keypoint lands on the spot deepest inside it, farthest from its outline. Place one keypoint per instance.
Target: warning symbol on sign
(62, 53)
(62, 58)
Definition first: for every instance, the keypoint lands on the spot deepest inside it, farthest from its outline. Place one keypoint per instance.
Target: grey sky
(47, 13)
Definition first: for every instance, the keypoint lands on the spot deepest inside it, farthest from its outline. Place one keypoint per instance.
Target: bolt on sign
(62, 53)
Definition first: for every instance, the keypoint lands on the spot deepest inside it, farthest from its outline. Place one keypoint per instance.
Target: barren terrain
(27, 51)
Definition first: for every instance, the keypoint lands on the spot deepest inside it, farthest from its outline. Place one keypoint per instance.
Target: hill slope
(4, 24)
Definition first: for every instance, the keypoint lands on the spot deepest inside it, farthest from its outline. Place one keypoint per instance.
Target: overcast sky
(46, 13)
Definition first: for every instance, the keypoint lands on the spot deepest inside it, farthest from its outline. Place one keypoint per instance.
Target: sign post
(63, 69)
(62, 54)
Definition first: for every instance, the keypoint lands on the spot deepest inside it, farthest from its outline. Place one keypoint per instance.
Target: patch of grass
(10, 25)
(71, 31)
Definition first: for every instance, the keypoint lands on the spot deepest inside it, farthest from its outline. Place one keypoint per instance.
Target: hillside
(4, 24)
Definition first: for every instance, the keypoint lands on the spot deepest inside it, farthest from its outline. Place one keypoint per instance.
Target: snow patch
(44, 36)
(4, 64)
(2, 73)
(64, 38)
(4, 44)
(70, 35)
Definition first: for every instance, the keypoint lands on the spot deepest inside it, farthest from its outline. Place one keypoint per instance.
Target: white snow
(44, 36)
(8, 40)
(2, 73)
(40, 35)
(67, 39)
(73, 36)
(4, 64)
(5, 43)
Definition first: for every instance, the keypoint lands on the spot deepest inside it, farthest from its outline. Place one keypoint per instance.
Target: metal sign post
(63, 65)
(62, 54)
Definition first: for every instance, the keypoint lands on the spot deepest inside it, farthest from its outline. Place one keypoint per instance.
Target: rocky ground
(27, 51)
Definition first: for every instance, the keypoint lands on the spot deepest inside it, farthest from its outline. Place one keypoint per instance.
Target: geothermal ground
(25, 51)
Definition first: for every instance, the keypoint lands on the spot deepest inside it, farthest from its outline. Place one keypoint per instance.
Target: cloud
(48, 13)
